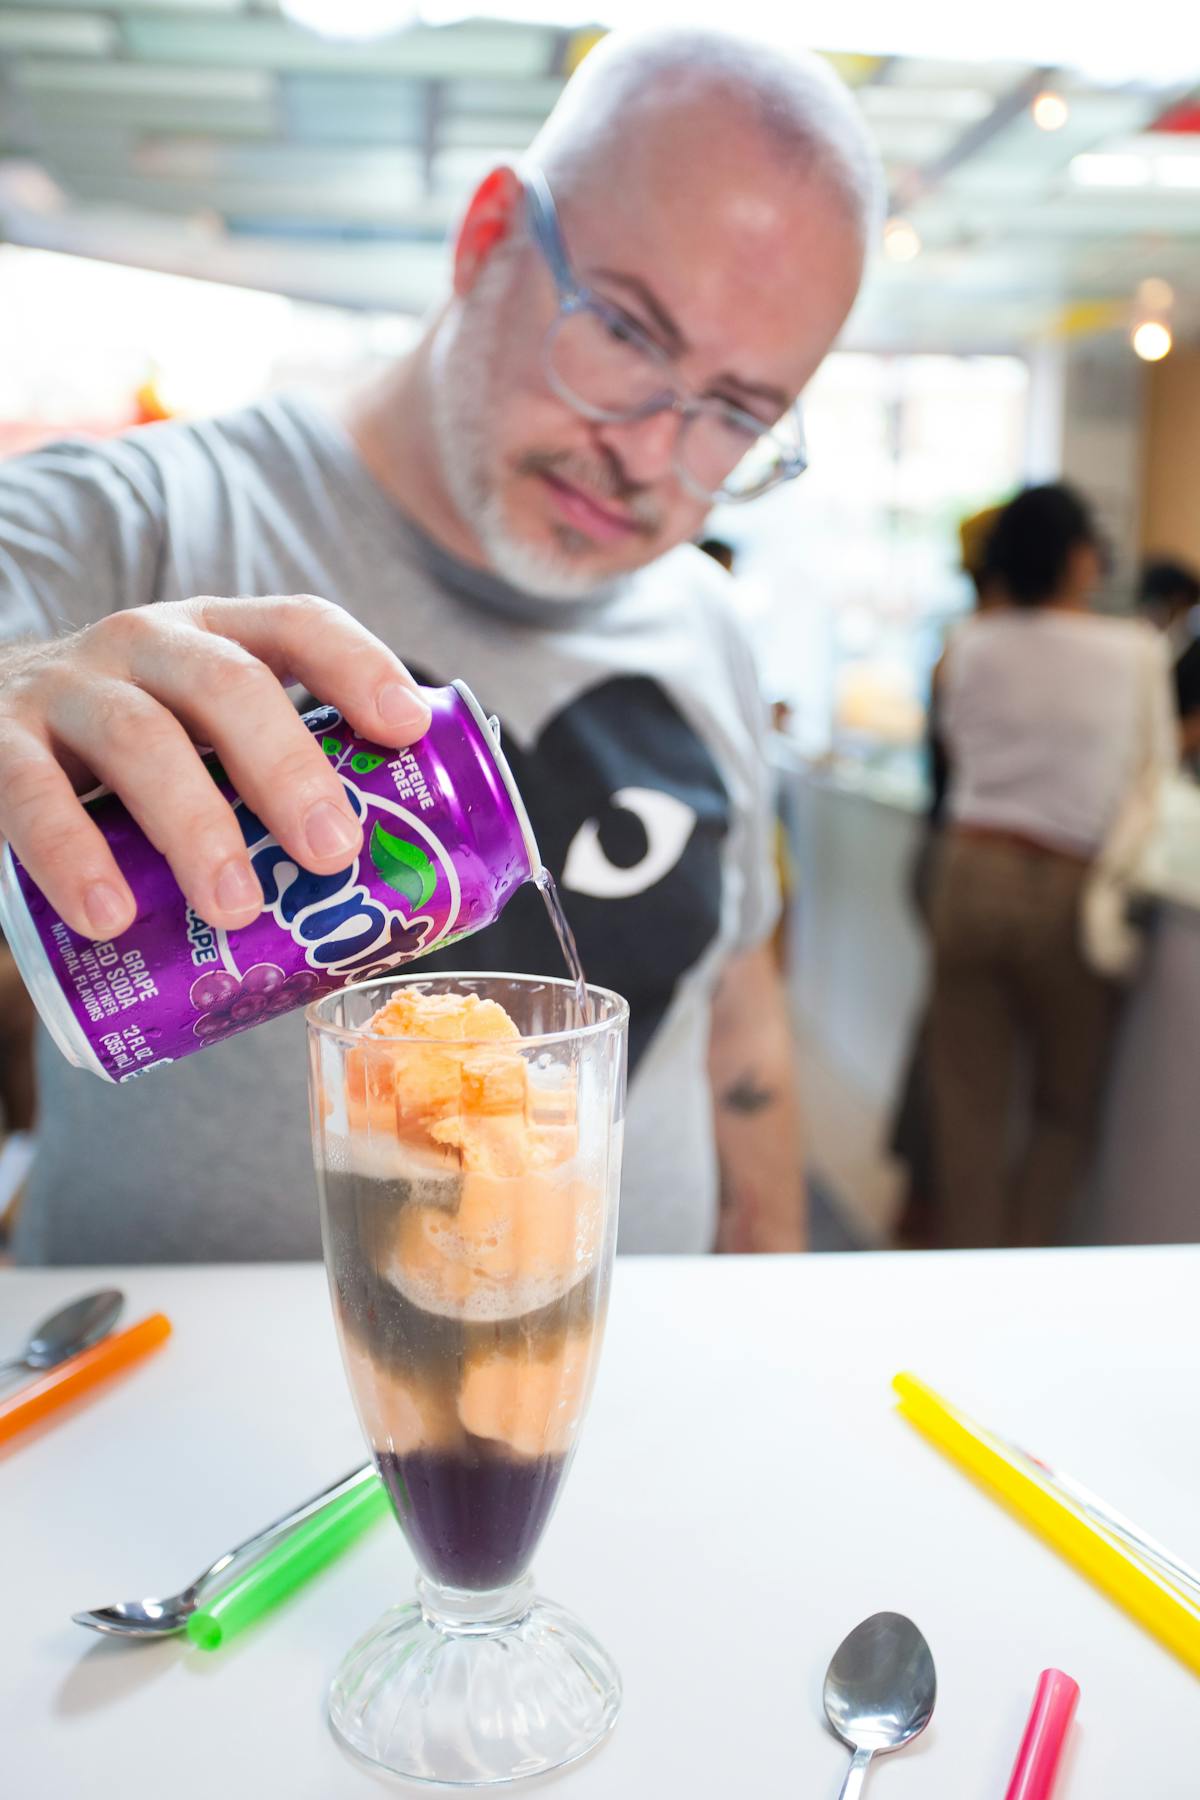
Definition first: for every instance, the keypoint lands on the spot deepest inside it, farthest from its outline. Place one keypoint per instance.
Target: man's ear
(492, 216)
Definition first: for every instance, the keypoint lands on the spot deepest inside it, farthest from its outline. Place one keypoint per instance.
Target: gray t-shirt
(633, 724)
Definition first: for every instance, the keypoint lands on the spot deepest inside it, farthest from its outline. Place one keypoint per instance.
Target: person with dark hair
(1169, 596)
(1187, 701)
(1059, 727)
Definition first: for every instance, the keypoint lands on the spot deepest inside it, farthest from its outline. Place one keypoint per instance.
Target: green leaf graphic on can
(404, 867)
(364, 762)
(331, 746)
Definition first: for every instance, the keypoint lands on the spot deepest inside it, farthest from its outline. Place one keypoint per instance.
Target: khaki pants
(1012, 999)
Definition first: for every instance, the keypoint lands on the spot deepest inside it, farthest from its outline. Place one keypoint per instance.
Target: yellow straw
(1115, 1571)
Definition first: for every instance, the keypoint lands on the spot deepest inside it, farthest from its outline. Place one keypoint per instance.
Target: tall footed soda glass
(469, 1186)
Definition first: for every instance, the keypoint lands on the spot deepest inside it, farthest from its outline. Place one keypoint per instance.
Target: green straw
(305, 1550)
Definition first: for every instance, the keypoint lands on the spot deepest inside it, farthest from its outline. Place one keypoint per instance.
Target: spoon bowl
(880, 1690)
(72, 1328)
(166, 1616)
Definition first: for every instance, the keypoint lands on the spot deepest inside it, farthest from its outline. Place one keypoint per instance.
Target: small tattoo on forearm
(748, 1096)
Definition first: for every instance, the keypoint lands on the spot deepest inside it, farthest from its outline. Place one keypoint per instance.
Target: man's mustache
(602, 479)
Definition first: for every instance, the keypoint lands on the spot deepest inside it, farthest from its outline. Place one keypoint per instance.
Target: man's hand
(127, 701)
(752, 1065)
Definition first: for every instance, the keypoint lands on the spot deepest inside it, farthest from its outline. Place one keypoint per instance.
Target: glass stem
(465, 1612)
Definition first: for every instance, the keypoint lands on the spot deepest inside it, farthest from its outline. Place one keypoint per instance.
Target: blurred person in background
(1057, 722)
(16, 1048)
(514, 503)
(719, 552)
(1187, 704)
(1169, 596)
(917, 1225)
(16, 1087)
(786, 763)
(974, 536)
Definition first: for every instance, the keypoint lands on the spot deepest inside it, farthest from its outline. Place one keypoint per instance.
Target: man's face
(741, 273)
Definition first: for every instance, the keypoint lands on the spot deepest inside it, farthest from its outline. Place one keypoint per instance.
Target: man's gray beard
(463, 364)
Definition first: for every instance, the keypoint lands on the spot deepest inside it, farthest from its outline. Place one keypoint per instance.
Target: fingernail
(236, 889)
(403, 709)
(106, 911)
(330, 831)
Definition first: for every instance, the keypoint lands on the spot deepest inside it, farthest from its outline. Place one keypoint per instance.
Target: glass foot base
(474, 1689)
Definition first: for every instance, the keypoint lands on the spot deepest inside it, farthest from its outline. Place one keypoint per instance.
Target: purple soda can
(446, 843)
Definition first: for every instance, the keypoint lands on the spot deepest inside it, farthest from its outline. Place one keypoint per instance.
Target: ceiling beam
(433, 112)
(925, 181)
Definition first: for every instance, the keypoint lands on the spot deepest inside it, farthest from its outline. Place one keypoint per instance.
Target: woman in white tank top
(1050, 715)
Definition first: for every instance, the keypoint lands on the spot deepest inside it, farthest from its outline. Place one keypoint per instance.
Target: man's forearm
(757, 1109)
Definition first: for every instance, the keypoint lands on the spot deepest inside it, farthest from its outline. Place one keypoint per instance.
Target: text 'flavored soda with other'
(446, 843)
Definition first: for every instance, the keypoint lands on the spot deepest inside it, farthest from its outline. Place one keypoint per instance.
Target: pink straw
(1037, 1759)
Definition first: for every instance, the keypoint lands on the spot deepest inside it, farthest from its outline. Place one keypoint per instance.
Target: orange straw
(79, 1373)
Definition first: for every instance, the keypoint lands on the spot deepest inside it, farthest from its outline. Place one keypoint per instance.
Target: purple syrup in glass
(473, 1519)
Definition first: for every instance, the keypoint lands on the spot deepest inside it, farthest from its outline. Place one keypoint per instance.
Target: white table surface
(744, 1494)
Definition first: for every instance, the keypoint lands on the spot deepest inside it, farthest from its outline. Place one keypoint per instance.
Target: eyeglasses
(602, 363)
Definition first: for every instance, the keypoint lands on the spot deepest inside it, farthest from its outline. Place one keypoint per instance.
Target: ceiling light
(360, 19)
(1050, 111)
(1151, 340)
(1155, 295)
(900, 241)
(1100, 170)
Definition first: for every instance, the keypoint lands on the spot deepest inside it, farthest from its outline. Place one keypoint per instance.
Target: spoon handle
(9, 1368)
(856, 1775)
(282, 1526)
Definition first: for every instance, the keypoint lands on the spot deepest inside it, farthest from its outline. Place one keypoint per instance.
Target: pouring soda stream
(548, 887)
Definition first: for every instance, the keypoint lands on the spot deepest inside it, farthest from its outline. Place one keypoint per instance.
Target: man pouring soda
(633, 314)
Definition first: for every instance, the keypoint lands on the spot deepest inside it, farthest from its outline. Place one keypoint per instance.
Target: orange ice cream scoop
(398, 1413)
(452, 1018)
(533, 1404)
(489, 1126)
(512, 1246)
(524, 1224)
(406, 1088)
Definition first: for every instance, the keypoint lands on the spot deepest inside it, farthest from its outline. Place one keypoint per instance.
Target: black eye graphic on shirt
(630, 813)
(666, 825)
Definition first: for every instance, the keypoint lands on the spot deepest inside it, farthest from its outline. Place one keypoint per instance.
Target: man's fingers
(228, 698)
(312, 641)
(142, 752)
(122, 699)
(63, 850)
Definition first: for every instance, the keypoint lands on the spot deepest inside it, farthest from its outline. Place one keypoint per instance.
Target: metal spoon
(70, 1329)
(159, 1618)
(880, 1691)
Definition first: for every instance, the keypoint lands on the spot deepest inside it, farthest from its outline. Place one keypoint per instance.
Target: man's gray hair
(793, 98)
